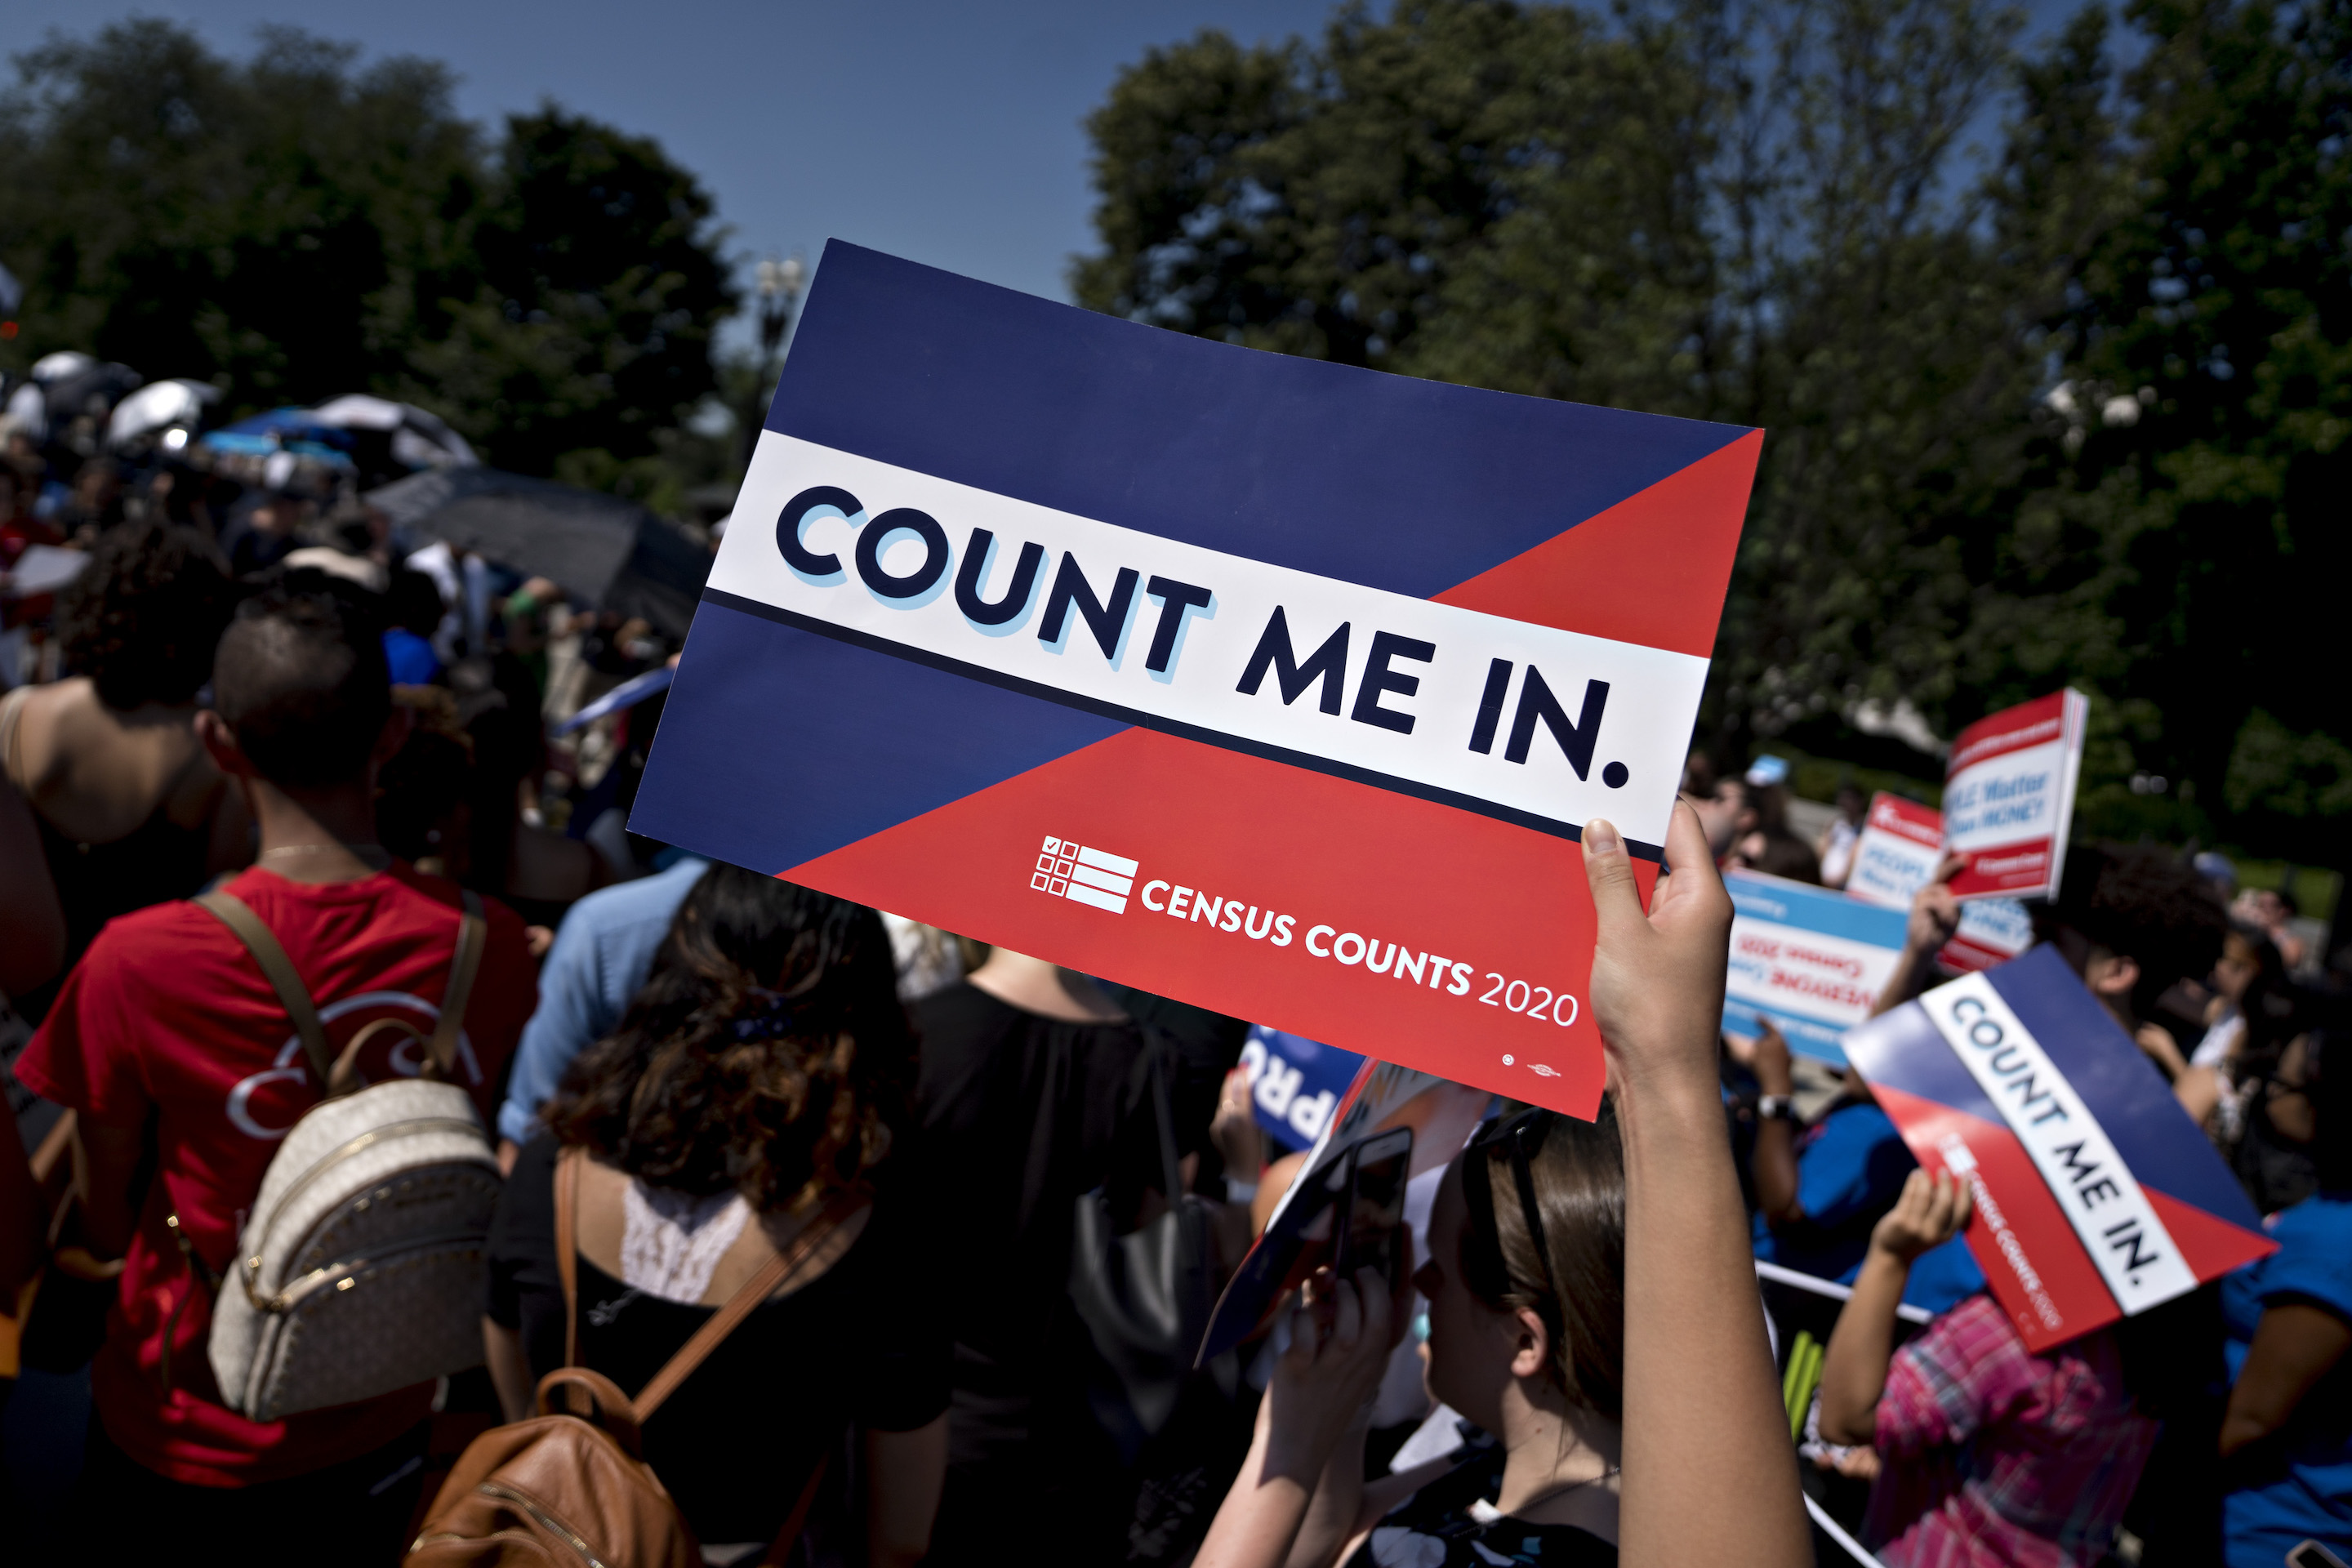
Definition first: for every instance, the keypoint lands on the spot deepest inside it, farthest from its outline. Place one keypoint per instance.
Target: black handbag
(1144, 1296)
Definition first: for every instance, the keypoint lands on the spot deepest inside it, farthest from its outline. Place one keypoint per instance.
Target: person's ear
(394, 736)
(220, 744)
(1531, 1343)
(2112, 974)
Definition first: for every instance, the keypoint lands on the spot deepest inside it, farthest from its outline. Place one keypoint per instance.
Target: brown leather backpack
(570, 1485)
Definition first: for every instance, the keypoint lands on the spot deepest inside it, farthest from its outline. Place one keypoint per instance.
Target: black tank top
(1452, 1523)
(155, 862)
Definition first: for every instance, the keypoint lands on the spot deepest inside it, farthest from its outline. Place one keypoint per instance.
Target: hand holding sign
(1934, 909)
(1657, 977)
(1930, 1212)
(1704, 1421)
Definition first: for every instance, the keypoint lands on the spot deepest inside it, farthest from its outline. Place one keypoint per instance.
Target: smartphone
(1370, 1233)
(2312, 1554)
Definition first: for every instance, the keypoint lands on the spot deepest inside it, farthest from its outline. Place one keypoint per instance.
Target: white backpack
(360, 1270)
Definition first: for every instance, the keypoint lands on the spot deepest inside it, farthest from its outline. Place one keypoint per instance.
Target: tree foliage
(293, 226)
(1772, 214)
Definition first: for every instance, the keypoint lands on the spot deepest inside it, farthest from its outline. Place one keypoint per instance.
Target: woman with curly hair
(130, 810)
(754, 1092)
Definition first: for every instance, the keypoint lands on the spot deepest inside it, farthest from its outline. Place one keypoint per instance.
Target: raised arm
(1709, 1473)
(1935, 916)
(1773, 1163)
(1930, 1210)
(1340, 1342)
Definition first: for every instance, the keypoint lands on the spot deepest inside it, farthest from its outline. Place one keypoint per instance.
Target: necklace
(371, 855)
(1565, 1487)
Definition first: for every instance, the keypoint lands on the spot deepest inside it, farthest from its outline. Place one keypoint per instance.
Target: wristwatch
(1776, 1107)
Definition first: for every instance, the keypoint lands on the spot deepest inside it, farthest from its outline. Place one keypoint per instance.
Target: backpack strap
(742, 1304)
(567, 1233)
(706, 1338)
(473, 935)
(336, 1077)
(235, 913)
(722, 1322)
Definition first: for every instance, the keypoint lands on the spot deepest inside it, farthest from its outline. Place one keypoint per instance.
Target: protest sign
(1294, 1082)
(628, 694)
(1381, 1099)
(1812, 962)
(1992, 930)
(2009, 796)
(1276, 686)
(2096, 1197)
(1902, 844)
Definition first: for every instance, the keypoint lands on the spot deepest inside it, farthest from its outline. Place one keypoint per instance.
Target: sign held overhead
(1279, 687)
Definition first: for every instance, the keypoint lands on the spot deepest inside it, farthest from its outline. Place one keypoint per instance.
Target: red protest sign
(1901, 845)
(2009, 795)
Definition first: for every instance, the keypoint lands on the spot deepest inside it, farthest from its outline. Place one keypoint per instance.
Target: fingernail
(1601, 838)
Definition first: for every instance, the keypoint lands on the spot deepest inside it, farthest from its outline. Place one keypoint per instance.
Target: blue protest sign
(1293, 1083)
(1812, 962)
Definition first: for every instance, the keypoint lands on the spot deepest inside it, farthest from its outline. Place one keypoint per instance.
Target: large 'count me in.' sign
(1273, 686)
(1446, 703)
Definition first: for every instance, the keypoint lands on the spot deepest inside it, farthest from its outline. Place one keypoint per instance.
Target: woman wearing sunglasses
(1593, 1306)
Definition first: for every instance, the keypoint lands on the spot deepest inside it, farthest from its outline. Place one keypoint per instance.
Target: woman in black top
(1027, 1102)
(760, 1077)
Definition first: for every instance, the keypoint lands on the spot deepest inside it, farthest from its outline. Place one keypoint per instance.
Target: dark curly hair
(768, 1052)
(1579, 1291)
(144, 616)
(2145, 904)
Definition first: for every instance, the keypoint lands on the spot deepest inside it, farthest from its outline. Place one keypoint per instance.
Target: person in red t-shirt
(173, 1048)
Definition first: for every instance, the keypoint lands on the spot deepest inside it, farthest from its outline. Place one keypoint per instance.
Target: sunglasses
(1522, 1134)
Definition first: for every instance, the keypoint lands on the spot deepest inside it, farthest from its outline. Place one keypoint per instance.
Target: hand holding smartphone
(1369, 1230)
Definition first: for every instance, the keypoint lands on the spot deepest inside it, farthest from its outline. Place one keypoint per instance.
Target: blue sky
(946, 133)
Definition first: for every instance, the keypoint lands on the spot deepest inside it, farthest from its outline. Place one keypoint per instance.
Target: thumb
(1609, 870)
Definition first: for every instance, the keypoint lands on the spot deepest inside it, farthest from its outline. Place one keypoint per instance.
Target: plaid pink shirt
(1995, 1456)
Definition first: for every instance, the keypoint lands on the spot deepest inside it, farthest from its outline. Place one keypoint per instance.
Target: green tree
(2071, 410)
(2197, 451)
(264, 224)
(293, 226)
(601, 286)
(1723, 213)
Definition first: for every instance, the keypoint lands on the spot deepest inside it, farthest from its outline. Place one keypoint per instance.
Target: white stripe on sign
(1526, 722)
(2096, 1190)
(1106, 861)
(1098, 899)
(1108, 882)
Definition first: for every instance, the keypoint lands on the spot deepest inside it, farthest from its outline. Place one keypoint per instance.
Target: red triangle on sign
(1652, 569)
(2210, 1245)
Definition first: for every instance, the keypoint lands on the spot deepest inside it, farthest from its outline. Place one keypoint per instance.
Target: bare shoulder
(96, 774)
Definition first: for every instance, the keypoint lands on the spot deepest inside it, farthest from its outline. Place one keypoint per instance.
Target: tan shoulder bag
(570, 1484)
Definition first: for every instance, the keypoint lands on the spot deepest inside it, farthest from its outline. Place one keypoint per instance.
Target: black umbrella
(92, 389)
(611, 552)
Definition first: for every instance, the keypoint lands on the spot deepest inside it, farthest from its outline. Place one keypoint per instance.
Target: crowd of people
(698, 1082)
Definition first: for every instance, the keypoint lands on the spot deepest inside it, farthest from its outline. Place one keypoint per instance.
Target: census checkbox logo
(1068, 869)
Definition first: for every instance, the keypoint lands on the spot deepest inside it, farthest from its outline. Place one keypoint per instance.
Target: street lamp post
(779, 286)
